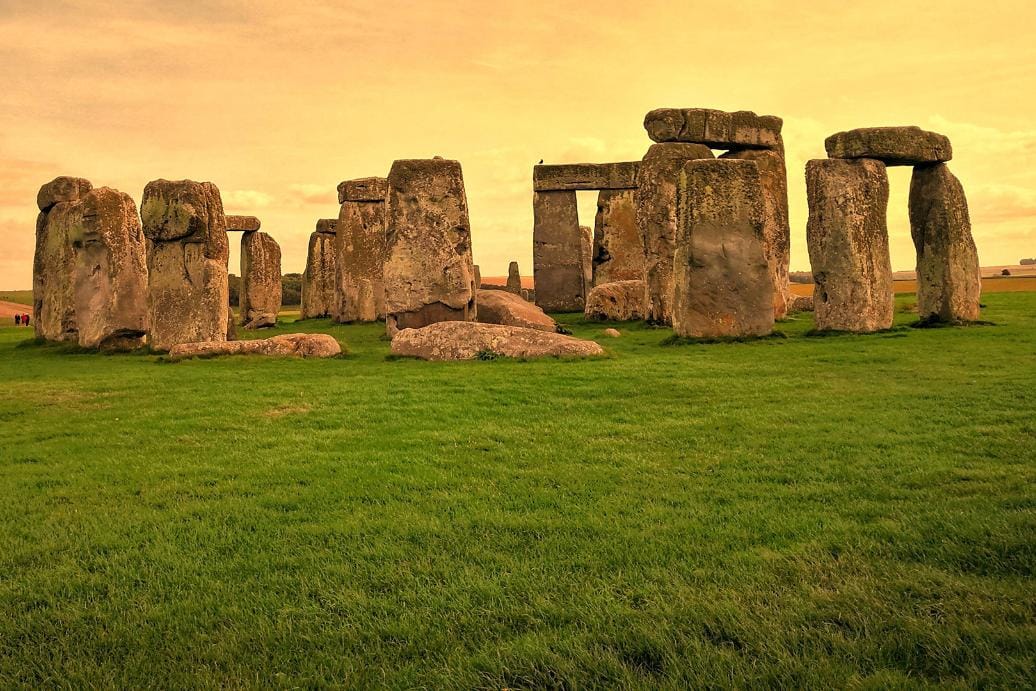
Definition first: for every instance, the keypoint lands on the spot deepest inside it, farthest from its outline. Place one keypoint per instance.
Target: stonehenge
(361, 250)
(187, 296)
(284, 345)
(893, 146)
(616, 301)
(715, 128)
(514, 279)
(260, 295)
(457, 340)
(508, 309)
(242, 224)
(618, 252)
(320, 275)
(429, 276)
(721, 280)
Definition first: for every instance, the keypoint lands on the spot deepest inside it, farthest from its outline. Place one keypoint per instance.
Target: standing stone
(478, 277)
(776, 229)
(318, 280)
(361, 250)
(110, 279)
(948, 278)
(514, 279)
(618, 301)
(260, 295)
(618, 246)
(721, 280)
(54, 261)
(188, 296)
(848, 244)
(586, 259)
(556, 256)
(657, 220)
(429, 276)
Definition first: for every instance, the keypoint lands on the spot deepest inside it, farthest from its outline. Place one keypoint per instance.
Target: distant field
(21, 297)
(800, 512)
(995, 284)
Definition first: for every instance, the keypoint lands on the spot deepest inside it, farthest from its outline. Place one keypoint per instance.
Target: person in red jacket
(25, 319)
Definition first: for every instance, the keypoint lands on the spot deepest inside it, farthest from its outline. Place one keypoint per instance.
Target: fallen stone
(585, 176)
(514, 278)
(801, 303)
(429, 276)
(242, 224)
(893, 146)
(618, 253)
(61, 189)
(618, 301)
(260, 295)
(508, 309)
(363, 190)
(469, 340)
(557, 263)
(319, 277)
(848, 244)
(284, 345)
(362, 251)
(721, 280)
(715, 128)
(612, 333)
(949, 282)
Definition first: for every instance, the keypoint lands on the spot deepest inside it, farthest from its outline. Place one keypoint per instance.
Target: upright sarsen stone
(514, 279)
(361, 250)
(848, 244)
(949, 282)
(319, 277)
(721, 279)
(188, 297)
(260, 295)
(655, 200)
(556, 256)
(429, 275)
(586, 260)
(618, 246)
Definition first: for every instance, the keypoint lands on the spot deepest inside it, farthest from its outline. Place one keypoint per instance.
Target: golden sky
(277, 102)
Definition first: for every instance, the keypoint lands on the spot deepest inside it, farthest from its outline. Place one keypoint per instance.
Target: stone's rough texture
(429, 276)
(467, 340)
(318, 280)
(948, 278)
(478, 277)
(62, 189)
(656, 219)
(776, 229)
(721, 281)
(620, 301)
(514, 279)
(363, 190)
(231, 326)
(260, 296)
(556, 260)
(801, 303)
(894, 146)
(110, 278)
(328, 226)
(53, 268)
(188, 297)
(586, 258)
(285, 345)
(361, 252)
(849, 244)
(508, 309)
(612, 333)
(716, 128)
(242, 224)
(618, 252)
(585, 176)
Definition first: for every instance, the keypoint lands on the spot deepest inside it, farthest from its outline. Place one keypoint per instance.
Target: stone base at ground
(801, 303)
(285, 345)
(508, 309)
(617, 301)
(469, 340)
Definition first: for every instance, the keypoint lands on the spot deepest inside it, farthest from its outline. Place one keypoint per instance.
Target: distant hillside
(21, 297)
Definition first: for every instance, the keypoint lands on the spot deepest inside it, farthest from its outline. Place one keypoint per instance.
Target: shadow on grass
(675, 340)
(935, 322)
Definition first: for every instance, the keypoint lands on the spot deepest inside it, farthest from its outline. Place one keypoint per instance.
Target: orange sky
(276, 104)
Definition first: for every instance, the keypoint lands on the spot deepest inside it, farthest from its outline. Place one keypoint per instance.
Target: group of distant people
(21, 320)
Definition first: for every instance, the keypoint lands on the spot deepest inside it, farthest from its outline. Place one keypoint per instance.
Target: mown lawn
(825, 512)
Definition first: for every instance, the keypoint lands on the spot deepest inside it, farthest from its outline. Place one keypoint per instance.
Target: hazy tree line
(291, 289)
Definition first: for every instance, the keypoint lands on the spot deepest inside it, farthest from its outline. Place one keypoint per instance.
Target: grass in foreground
(827, 512)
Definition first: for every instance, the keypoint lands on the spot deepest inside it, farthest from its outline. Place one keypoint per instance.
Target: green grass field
(825, 512)
(19, 297)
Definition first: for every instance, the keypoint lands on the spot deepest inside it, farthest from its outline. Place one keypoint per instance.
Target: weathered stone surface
(586, 258)
(260, 295)
(716, 128)
(618, 301)
(514, 278)
(894, 146)
(429, 275)
(62, 189)
(284, 345)
(110, 278)
(585, 176)
(319, 278)
(948, 278)
(362, 252)
(465, 340)
(776, 229)
(242, 224)
(53, 268)
(328, 226)
(612, 333)
(656, 219)
(618, 247)
(508, 309)
(478, 277)
(801, 303)
(721, 281)
(849, 245)
(188, 298)
(363, 190)
(557, 263)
